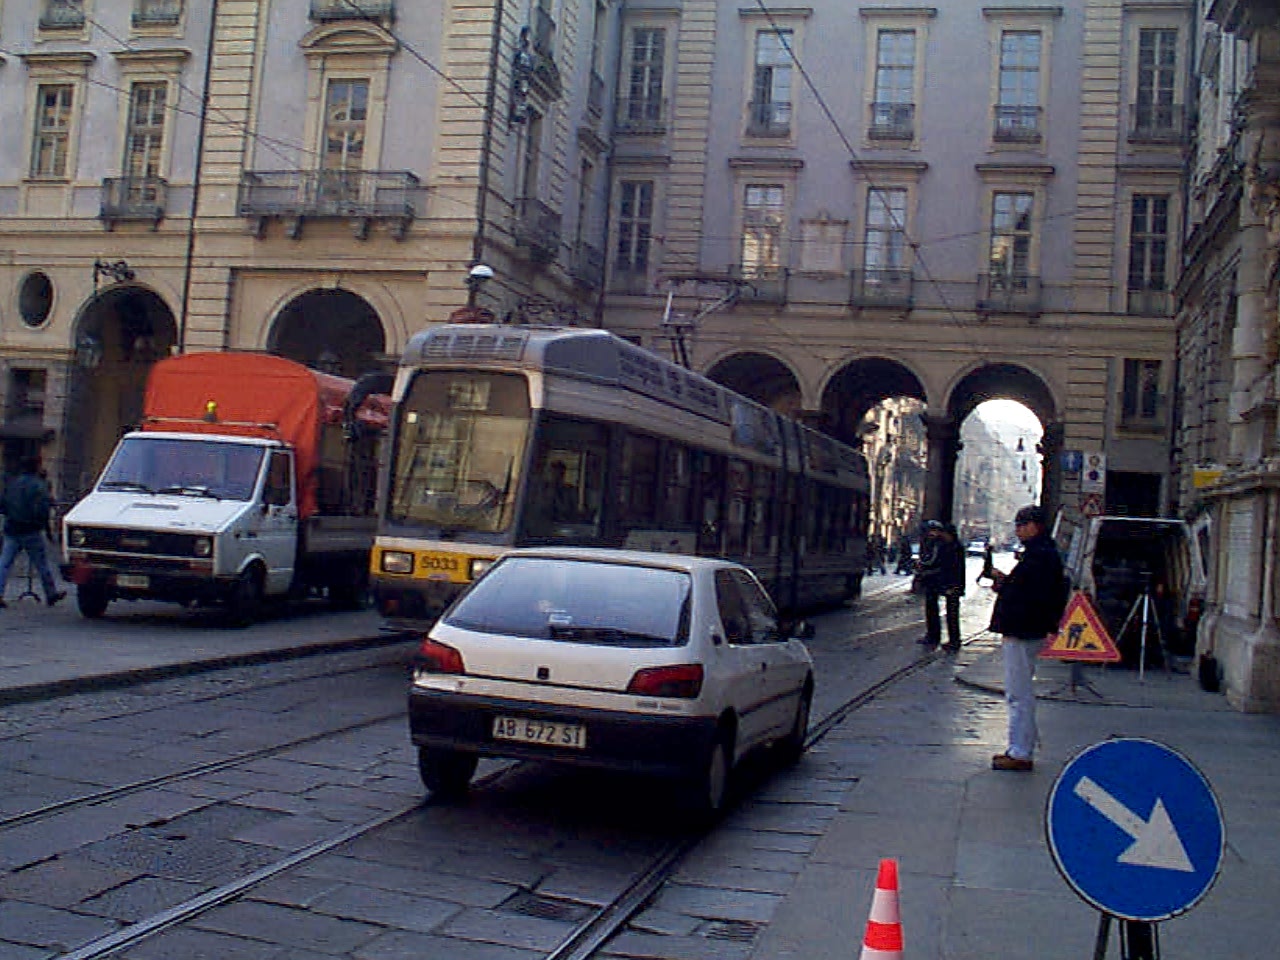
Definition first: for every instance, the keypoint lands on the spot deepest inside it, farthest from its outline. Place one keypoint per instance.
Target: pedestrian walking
(1029, 604)
(905, 560)
(26, 505)
(941, 576)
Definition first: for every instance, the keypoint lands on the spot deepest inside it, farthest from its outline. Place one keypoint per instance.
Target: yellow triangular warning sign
(1081, 635)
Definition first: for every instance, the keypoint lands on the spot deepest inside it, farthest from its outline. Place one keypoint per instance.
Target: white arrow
(1155, 841)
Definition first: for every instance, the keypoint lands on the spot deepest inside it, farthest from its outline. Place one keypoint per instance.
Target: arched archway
(764, 379)
(858, 386)
(332, 330)
(120, 334)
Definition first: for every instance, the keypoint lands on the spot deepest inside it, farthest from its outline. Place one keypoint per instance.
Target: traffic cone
(884, 927)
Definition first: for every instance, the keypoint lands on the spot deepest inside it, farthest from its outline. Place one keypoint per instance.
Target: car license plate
(133, 581)
(552, 734)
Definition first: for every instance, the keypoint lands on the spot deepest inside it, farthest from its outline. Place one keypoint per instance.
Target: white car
(652, 663)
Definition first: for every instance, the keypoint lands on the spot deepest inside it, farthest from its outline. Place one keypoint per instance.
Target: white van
(1118, 560)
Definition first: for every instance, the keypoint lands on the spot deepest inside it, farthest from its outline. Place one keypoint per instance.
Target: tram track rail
(586, 938)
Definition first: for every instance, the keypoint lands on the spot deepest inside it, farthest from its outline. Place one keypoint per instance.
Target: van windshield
(184, 467)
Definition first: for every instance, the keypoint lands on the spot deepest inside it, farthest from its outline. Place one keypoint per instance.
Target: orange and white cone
(884, 927)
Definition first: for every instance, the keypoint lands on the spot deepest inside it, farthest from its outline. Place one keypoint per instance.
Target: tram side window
(637, 486)
(738, 507)
(566, 487)
(709, 492)
(677, 486)
(762, 511)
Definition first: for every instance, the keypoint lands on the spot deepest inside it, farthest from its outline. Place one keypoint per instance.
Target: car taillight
(682, 680)
(434, 657)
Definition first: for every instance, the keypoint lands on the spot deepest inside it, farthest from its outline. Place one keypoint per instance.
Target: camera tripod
(1143, 603)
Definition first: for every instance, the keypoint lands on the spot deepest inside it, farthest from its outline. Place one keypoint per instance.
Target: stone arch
(857, 386)
(118, 336)
(760, 376)
(1002, 381)
(330, 329)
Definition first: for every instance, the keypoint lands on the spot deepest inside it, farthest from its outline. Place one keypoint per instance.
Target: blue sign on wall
(1072, 461)
(1135, 829)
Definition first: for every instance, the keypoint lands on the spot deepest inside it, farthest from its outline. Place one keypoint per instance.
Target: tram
(508, 436)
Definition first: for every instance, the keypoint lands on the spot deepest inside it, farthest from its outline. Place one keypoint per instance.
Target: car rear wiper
(589, 634)
(125, 485)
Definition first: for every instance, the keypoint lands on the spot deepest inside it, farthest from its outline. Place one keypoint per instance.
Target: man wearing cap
(941, 575)
(1029, 606)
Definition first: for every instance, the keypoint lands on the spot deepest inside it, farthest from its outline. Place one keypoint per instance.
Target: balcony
(647, 117)
(1157, 123)
(361, 196)
(892, 121)
(380, 10)
(1008, 293)
(1016, 124)
(156, 13)
(587, 266)
(760, 284)
(1149, 303)
(768, 118)
(537, 230)
(133, 199)
(630, 281)
(62, 15)
(881, 287)
(595, 96)
(543, 71)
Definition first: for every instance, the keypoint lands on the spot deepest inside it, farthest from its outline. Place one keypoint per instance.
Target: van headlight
(77, 537)
(477, 566)
(397, 561)
(203, 547)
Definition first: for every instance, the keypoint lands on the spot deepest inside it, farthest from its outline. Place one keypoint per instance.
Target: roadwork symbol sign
(1081, 635)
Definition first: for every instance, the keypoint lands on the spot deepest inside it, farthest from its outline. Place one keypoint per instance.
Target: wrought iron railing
(595, 95)
(352, 10)
(60, 14)
(1008, 293)
(760, 284)
(641, 116)
(537, 229)
(892, 121)
(769, 118)
(881, 287)
(629, 281)
(133, 198)
(1149, 303)
(1016, 123)
(587, 266)
(148, 12)
(359, 194)
(1157, 122)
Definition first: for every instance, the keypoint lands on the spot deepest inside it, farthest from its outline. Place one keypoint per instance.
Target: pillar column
(1050, 449)
(942, 434)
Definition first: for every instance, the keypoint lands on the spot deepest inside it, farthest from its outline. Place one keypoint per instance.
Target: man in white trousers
(1029, 606)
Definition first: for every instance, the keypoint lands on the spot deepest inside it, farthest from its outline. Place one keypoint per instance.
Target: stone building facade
(1228, 477)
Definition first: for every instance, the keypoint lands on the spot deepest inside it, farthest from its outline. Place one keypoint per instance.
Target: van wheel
(446, 773)
(244, 602)
(791, 747)
(92, 600)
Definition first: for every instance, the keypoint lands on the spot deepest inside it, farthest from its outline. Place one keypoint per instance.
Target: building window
(1141, 399)
(529, 168)
(1018, 107)
(885, 237)
(144, 140)
(346, 113)
(586, 182)
(1157, 77)
(148, 12)
(763, 215)
(61, 14)
(49, 155)
(642, 108)
(635, 227)
(1009, 262)
(892, 113)
(770, 110)
(1148, 253)
(26, 395)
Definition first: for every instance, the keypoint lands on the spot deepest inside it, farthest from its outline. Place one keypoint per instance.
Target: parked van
(1118, 560)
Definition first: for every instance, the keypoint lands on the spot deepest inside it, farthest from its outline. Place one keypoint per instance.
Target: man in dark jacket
(941, 575)
(1028, 609)
(26, 505)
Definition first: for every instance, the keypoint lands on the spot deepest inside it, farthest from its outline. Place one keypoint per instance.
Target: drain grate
(548, 908)
(739, 931)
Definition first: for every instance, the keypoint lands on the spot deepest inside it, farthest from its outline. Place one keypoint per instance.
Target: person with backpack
(26, 505)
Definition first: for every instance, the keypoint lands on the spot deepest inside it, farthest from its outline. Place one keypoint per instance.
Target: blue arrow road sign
(1135, 829)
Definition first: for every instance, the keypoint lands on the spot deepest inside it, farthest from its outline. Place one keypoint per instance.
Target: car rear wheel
(709, 791)
(446, 773)
(92, 599)
(791, 747)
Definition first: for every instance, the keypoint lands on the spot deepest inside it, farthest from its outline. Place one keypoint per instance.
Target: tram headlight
(397, 561)
(203, 547)
(477, 566)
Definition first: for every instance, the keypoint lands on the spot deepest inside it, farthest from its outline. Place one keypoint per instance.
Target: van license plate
(133, 581)
(552, 734)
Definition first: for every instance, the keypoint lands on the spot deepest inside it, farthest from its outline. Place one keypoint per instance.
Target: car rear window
(578, 601)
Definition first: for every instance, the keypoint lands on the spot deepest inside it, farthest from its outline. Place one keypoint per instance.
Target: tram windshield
(460, 441)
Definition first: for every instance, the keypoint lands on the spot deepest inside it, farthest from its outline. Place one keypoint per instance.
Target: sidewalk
(977, 879)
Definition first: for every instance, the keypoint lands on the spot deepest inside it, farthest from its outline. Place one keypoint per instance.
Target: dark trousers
(932, 624)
